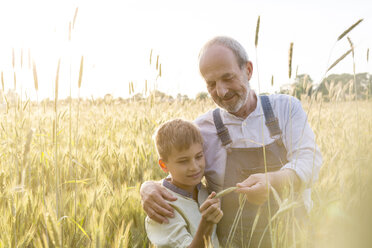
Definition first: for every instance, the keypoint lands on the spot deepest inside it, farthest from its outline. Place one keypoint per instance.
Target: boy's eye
(199, 156)
(182, 161)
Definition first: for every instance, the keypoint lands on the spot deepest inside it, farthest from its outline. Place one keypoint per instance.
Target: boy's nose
(194, 165)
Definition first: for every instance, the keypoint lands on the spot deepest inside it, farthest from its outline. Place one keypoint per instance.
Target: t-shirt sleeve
(173, 234)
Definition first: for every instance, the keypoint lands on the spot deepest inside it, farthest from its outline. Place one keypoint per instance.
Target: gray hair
(239, 51)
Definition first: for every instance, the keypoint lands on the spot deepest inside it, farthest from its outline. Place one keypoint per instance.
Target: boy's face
(186, 167)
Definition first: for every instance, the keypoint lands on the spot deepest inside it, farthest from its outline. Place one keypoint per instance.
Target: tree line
(339, 87)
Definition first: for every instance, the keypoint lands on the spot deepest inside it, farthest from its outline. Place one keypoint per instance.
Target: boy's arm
(176, 233)
(153, 201)
(211, 214)
(173, 234)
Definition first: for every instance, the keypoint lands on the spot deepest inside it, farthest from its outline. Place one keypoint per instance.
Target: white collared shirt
(181, 229)
(302, 152)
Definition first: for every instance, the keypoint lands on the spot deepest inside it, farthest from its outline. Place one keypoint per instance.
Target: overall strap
(271, 121)
(222, 130)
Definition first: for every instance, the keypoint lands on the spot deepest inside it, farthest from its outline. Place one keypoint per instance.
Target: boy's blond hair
(178, 134)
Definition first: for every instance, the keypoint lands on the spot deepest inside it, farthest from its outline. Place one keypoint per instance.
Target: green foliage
(363, 86)
(201, 96)
(336, 87)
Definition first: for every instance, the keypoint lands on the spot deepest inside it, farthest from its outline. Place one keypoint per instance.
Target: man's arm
(153, 201)
(303, 155)
(255, 186)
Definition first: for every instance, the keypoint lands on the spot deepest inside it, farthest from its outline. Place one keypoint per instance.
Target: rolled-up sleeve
(173, 234)
(302, 152)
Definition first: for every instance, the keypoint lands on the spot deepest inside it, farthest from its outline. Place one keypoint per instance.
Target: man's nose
(221, 89)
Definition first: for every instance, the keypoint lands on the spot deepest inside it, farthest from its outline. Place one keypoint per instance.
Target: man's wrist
(284, 178)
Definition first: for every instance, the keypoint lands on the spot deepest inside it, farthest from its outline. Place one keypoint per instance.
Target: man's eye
(211, 84)
(182, 161)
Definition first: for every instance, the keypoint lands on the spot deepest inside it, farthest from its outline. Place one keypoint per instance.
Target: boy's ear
(163, 166)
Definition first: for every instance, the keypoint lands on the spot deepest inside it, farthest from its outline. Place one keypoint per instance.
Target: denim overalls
(240, 164)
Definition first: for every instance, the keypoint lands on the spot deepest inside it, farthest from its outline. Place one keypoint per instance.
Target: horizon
(116, 46)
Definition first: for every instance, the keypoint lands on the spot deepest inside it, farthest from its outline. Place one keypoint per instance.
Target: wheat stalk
(290, 60)
(256, 43)
(296, 71)
(27, 146)
(15, 81)
(13, 58)
(349, 29)
(55, 127)
(150, 56)
(35, 76)
(339, 59)
(367, 55)
(157, 62)
(56, 86)
(225, 192)
(2, 80)
(351, 45)
(257, 31)
(73, 21)
(81, 71)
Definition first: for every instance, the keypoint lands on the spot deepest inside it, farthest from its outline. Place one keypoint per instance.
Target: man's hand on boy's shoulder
(154, 203)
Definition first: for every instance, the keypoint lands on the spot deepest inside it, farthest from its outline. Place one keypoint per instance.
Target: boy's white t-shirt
(181, 229)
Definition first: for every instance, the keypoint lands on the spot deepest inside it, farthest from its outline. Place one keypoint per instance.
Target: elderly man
(244, 138)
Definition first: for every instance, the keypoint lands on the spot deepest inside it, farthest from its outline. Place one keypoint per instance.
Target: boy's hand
(210, 209)
(153, 201)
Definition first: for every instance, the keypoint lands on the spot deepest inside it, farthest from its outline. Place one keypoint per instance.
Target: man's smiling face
(227, 83)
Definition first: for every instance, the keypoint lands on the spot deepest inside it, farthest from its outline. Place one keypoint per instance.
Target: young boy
(180, 148)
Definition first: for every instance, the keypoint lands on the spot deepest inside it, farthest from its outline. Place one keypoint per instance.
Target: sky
(116, 38)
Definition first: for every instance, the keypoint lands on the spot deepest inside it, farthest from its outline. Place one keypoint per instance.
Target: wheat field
(70, 176)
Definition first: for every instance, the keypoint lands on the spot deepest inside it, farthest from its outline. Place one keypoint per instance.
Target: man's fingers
(256, 194)
(163, 208)
(257, 188)
(156, 217)
(247, 182)
(168, 196)
(243, 189)
(159, 205)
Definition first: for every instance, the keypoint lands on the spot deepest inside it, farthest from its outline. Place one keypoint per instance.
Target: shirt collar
(229, 118)
(166, 183)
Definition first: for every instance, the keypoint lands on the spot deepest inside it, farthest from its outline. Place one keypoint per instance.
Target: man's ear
(163, 166)
(249, 69)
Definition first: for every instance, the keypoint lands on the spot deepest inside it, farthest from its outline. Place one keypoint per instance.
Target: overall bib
(240, 164)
